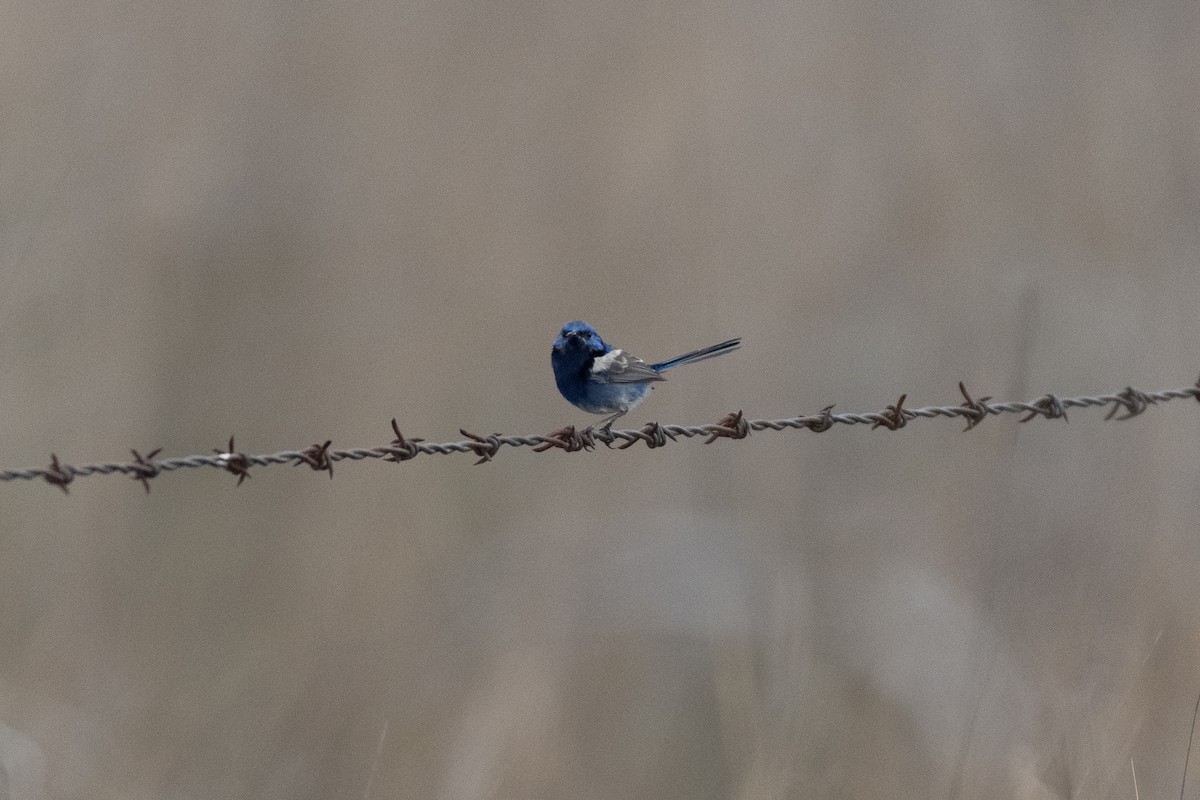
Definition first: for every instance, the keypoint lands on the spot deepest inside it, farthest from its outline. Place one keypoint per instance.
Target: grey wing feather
(618, 366)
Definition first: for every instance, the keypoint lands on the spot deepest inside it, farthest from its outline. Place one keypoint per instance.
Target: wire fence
(1122, 405)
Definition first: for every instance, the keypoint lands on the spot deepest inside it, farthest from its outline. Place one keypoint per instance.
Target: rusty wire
(1123, 405)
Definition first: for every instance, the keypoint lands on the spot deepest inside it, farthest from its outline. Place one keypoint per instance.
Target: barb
(144, 467)
(237, 463)
(978, 409)
(894, 417)
(317, 457)
(55, 475)
(731, 426)
(1123, 405)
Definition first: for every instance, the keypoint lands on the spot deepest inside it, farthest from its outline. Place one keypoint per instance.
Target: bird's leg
(605, 427)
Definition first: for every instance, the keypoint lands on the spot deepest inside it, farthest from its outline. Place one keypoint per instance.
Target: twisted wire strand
(1122, 405)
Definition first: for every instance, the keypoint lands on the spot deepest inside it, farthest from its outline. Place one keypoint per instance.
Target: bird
(600, 379)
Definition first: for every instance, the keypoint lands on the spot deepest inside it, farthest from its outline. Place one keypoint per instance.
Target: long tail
(699, 355)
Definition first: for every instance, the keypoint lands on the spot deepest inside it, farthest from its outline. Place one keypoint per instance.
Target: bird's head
(579, 337)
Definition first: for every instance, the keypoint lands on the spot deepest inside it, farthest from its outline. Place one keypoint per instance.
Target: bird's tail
(699, 355)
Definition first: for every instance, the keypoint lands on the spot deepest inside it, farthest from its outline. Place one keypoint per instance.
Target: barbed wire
(1125, 404)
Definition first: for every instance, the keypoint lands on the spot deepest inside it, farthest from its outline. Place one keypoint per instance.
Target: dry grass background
(295, 221)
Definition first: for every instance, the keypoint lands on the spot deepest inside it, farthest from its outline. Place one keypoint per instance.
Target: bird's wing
(617, 366)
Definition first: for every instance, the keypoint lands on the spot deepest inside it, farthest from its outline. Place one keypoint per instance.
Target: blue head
(577, 342)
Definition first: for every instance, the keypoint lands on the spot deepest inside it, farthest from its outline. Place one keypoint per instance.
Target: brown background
(294, 221)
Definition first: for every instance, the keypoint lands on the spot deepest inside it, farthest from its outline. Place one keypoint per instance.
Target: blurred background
(292, 222)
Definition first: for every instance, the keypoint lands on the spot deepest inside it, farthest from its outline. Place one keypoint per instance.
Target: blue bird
(594, 376)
